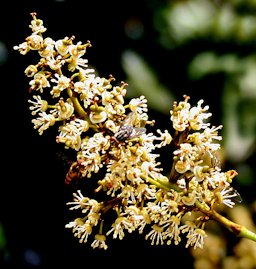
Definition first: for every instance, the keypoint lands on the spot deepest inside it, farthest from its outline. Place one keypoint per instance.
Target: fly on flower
(127, 131)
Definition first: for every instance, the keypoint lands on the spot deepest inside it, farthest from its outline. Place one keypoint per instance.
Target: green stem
(78, 108)
(237, 229)
(166, 185)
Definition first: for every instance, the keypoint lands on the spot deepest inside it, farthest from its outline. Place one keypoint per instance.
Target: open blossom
(38, 105)
(99, 241)
(183, 115)
(80, 229)
(172, 233)
(37, 25)
(121, 223)
(156, 235)
(43, 122)
(196, 238)
(40, 82)
(62, 83)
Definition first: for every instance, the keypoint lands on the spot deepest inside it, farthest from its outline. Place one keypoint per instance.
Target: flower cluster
(110, 136)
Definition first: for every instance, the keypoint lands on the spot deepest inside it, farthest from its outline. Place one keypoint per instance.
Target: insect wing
(129, 120)
(237, 198)
(127, 131)
(126, 127)
(124, 132)
(137, 131)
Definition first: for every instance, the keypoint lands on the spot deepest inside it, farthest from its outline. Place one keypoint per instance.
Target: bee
(73, 173)
(127, 131)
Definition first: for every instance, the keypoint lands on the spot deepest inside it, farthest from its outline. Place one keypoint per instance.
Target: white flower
(118, 227)
(196, 238)
(38, 105)
(43, 122)
(156, 235)
(99, 241)
(62, 83)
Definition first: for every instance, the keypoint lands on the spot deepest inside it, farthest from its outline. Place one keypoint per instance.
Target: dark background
(33, 194)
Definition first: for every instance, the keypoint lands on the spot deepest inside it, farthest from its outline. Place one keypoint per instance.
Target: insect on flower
(73, 173)
(127, 131)
(236, 196)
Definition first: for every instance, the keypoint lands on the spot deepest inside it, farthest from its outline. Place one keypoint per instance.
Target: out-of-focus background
(163, 50)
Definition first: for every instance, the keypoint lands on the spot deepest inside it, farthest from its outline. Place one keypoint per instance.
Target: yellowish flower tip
(182, 166)
(84, 46)
(189, 200)
(230, 175)
(98, 116)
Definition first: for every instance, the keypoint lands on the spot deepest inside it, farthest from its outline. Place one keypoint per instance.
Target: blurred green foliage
(3, 244)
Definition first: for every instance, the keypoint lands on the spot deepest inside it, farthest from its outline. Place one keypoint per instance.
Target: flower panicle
(111, 136)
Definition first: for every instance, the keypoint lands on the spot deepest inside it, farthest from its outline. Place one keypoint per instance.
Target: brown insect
(74, 172)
